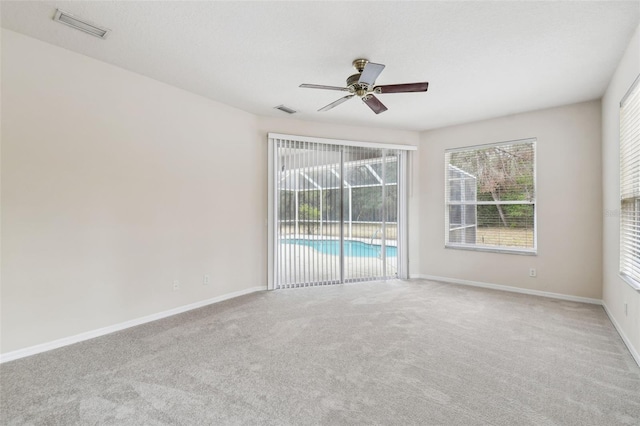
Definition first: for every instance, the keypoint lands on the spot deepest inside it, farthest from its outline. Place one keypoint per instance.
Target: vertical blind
(630, 183)
(336, 213)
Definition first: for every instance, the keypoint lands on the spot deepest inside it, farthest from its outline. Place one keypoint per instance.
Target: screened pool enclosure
(461, 214)
(335, 212)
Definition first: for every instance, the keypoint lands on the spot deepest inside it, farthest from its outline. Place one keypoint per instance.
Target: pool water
(351, 248)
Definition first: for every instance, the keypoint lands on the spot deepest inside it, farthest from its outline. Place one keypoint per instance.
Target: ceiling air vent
(80, 24)
(286, 109)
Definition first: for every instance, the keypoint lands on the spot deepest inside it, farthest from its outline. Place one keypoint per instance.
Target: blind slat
(490, 195)
(630, 183)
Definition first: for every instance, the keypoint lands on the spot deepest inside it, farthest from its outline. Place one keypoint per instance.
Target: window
(337, 211)
(630, 185)
(490, 197)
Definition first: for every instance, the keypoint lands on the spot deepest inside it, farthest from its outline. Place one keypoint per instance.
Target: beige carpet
(392, 353)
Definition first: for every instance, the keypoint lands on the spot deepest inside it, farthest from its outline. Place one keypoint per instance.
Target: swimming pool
(351, 248)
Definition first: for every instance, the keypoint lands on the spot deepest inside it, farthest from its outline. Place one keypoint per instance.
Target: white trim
(342, 142)
(633, 86)
(492, 144)
(65, 341)
(489, 203)
(402, 223)
(510, 289)
(491, 249)
(625, 339)
(272, 207)
(632, 283)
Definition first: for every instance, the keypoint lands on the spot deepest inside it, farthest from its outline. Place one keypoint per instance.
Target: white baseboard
(625, 339)
(510, 289)
(65, 341)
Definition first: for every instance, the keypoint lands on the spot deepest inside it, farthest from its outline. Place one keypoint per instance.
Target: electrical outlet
(176, 285)
(532, 272)
(206, 279)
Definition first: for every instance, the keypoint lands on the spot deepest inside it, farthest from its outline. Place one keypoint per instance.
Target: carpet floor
(388, 353)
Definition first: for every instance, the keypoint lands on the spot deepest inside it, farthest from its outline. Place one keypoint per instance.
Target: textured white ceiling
(482, 59)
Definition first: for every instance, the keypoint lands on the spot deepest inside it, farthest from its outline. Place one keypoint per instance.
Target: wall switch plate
(176, 285)
(533, 273)
(206, 279)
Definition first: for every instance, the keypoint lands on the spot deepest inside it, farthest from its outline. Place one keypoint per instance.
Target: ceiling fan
(362, 85)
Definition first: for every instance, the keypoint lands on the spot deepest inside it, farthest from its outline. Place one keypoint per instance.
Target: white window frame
(629, 254)
(490, 248)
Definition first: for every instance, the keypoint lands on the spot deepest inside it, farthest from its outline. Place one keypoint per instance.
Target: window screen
(490, 197)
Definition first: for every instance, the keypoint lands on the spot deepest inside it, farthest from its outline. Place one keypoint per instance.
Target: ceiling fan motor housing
(354, 85)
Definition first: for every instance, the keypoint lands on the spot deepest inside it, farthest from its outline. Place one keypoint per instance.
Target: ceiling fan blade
(370, 73)
(374, 103)
(402, 88)
(336, 103)
(319, 86)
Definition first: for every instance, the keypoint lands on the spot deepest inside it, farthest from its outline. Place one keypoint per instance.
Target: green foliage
(502, 173)
(308, 215)
(307, 212)
(367, 205)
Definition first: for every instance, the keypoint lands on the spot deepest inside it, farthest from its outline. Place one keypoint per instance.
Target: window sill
(522, 252)
(632, 283)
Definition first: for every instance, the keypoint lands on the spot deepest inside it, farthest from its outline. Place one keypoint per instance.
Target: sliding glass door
(308, 194)
(335, 212)
(370, 206)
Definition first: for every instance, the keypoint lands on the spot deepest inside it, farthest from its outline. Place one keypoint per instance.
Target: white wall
(615, 291)
(114, 185)
(569, 203)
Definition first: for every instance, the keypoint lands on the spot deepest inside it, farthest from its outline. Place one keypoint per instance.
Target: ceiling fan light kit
(362, 84)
